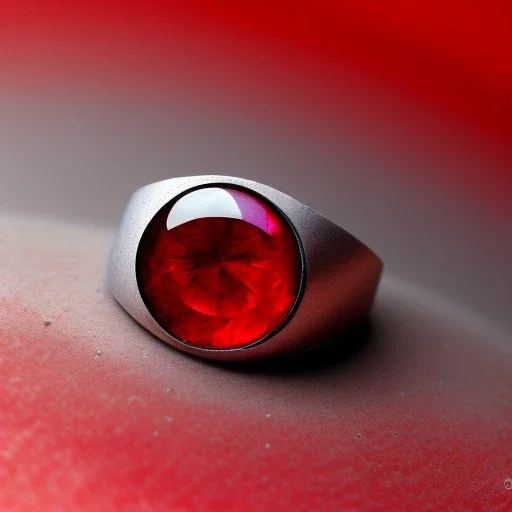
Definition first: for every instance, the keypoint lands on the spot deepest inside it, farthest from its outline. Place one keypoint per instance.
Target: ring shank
(341, 273)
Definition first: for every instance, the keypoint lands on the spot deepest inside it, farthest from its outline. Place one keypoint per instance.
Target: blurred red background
(452, 55)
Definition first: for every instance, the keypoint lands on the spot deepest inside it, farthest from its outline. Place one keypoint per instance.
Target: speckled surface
(99, 415)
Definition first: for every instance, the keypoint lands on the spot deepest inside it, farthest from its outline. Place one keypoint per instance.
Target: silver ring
(229, 269)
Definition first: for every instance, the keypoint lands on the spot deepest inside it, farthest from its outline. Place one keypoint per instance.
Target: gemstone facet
(219, 268)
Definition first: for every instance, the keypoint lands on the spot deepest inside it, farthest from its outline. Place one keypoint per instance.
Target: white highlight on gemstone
(205, 202)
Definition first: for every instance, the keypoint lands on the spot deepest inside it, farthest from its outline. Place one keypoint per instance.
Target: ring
(230, 269)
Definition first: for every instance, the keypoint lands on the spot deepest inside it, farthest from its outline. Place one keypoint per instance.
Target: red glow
(455, 53)
(453, 57)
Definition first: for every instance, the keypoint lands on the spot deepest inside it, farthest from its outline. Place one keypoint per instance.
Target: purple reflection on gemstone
(253, 210)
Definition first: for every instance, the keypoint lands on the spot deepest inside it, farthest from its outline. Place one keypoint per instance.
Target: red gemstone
(220, 268)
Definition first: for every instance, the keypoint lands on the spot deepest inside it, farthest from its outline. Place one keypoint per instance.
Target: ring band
(230, 269)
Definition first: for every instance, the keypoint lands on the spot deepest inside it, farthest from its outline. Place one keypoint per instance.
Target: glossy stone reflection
(220, 268)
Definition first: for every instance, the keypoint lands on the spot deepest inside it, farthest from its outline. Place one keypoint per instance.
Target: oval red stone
(219, 268)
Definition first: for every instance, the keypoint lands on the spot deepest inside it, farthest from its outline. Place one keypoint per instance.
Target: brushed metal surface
(340, 278)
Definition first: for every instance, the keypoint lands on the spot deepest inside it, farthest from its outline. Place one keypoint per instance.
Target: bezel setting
(167, 208)
(339, 275)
